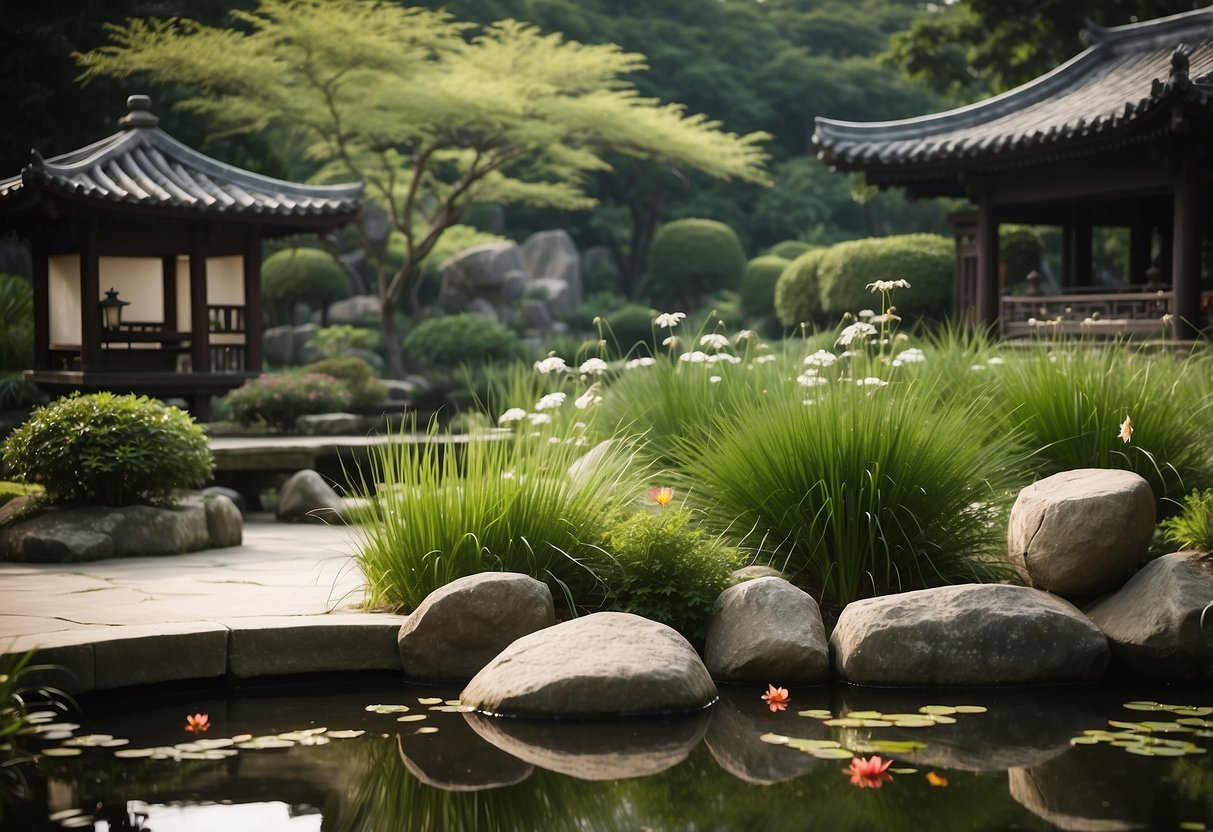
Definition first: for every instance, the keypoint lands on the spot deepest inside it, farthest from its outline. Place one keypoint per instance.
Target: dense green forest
(752, 66)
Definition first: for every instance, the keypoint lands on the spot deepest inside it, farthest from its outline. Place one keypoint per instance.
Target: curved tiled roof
(1126, 73)
(144, 166)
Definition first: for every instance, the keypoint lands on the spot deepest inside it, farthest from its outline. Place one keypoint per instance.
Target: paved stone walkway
(287, 601)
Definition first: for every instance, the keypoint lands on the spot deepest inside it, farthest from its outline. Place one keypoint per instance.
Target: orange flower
(661, 496)
(936, 779)
(197, 723)
(870, 773)
(777, 698)
(1126, 430)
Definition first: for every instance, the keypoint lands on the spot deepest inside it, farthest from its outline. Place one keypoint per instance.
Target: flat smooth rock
(1153, 621)
(461, 626)
(307, 497)
(605, 664)
(970, 634)
(1081, 533)
(764, 630)
(71, 535)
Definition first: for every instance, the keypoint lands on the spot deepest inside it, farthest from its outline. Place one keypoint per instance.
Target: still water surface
(1013, 765)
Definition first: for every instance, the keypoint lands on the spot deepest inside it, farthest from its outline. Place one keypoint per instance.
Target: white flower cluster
(888, 285)
(821, 358)
(860, 329)
(913, 355)
(669, 320)
(645, 361)
(551, 364)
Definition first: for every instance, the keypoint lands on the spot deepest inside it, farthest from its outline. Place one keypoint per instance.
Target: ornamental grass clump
(1192, 527)
(510, 502)
(858, 491)
(278, 400)
(1065, 406)
(110, 450)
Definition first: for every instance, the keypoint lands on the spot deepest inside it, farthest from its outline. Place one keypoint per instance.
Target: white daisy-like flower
(861, 330)
(539, 419)
(865, 314)
(589, 398)
(671, 341)
(821, 358)
(646, 361)
(669, 320)
(714, 379)
(551, 364)
(888, 285)
(514, 414)
(595, 366)
(696, 357)
(810, 380)
(714, 340)
(744, 335)
(551, 401)
(995, 360)
(913, 355)
(763, 359)
(871, 381)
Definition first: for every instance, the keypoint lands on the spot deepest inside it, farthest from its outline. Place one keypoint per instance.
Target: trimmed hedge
(790, 249)
(452, 340)
(692, 258)
(365, 388)
(632, 327)
(757, 289)
(303, 275)
(926, 261)
(797, 293)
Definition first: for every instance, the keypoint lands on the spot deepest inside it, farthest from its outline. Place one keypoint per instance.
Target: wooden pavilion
(1117, 137)
(146, 260)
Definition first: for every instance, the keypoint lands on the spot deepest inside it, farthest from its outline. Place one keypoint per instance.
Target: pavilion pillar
(1141, 243)
(91, 358)
(39, 261)
(168, 280)
(1185, 246)
(200, 322)
(986, 307)
(1077, 244)
(252, 301)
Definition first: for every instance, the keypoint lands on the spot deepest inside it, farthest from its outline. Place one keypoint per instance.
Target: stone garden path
(287, 601)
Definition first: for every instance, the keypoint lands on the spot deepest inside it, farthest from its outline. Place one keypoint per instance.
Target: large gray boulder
(554, 267)
(95, 532)
(1081, 533)
(224, 522)
(493, 273)
(972, 634)
(278, 345)
(461, 626)
(605, 664)
(766, 629)
(358, 309)
(1153, 621)
(305, 496)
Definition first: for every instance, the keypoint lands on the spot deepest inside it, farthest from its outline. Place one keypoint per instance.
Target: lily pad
(1144, 705)
(388, 709)
(775, 739)
(426, 729)
(430, 700)
(941, 710)
(133, 753)
(816, 713)
(943, 719)
(64, 814)
(454, 702)
(211, 743)
(844, 722)
(265, 744)
(1086, 740)
(78, 822)
(62, 752)
(920, 721)
(807, 744)
(971, 709)
(1155, 750)
(345, 735)
(903, 771)
(830, 753)
(411, 718)
(864, 715)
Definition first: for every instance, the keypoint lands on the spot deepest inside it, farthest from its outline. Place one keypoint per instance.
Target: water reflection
(1010, 767)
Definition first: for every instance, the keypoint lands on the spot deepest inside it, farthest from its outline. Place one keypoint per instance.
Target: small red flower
(777, 698)
(661, 496)
(197, 723)
(871, 773)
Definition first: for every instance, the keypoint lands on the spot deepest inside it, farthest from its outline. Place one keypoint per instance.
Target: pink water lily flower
(870, 773)
(197, 723)
(776, 698)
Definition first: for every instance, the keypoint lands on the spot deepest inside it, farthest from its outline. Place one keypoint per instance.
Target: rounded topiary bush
(631, 326)
(303, 275)
(279, 400)
(452, 340)
(365, 388)
(926, 261)
(790, 249)
(689, 259)
(757, 291)
(110, 450)
(797, 292)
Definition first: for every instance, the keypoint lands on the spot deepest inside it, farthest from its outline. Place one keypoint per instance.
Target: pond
(306, 757)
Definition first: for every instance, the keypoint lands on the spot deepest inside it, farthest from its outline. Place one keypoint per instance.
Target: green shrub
(859, 492)
(16, 393)
(365, 388)
(16, 323)
(798, 292)
(790, 249)
(631, 327)
(757, 291)
(12, 490)
(692, 258)
(451, 340)
(1192, 528)
(505, 504)
(339, 341)
(278, 400)
(1019, 251)
(109, 449)
(667, 571)
(926, 261)
(1066, 405)
(303, 275)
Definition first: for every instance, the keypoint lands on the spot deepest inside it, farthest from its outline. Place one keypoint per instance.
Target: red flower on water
(197, 723)
(871, 773)
(777, 698)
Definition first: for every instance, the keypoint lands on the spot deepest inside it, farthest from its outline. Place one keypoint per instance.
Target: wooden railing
(1132, 311)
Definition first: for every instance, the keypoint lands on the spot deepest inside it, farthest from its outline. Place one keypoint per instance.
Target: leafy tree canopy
(432, 116)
